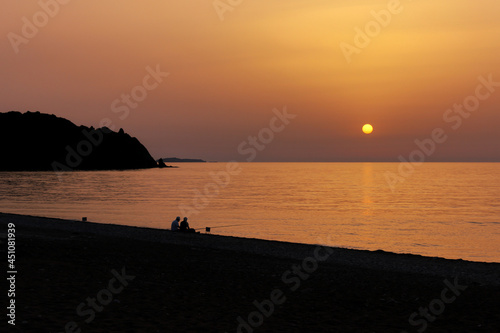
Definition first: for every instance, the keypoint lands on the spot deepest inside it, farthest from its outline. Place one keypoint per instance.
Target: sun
(367, 128)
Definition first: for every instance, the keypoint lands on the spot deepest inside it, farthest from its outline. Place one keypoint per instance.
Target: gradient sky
(226, 76)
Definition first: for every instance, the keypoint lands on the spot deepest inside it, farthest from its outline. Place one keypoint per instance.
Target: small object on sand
(207, 229)
(84, 219)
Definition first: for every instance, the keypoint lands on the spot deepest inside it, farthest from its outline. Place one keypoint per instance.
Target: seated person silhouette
(185, 226)
(175, 224)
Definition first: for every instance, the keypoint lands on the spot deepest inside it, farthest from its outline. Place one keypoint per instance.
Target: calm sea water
(449, 210)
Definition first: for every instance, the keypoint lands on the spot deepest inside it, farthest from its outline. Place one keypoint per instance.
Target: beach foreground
(86, 277)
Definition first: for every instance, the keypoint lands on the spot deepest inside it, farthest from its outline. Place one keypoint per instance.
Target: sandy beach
(77, 276)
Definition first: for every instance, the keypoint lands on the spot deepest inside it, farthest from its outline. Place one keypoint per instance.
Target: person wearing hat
(175, 224)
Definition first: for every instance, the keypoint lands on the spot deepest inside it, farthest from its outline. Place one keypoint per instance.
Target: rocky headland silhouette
(35, 141)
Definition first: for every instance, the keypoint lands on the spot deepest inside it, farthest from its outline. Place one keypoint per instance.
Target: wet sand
(81, 276)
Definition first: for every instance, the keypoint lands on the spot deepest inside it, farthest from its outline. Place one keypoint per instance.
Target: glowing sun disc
(367, 128)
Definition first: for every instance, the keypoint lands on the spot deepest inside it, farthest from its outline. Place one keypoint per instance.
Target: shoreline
(77, 277)
(476, 272)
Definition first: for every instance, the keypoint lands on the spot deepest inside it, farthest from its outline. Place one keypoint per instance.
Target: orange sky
(226, 76)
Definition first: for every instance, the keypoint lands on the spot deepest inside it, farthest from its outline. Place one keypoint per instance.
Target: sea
(449, 210)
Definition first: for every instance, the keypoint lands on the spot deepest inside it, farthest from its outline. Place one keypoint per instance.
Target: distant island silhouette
(35, 141)
(182, 160)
